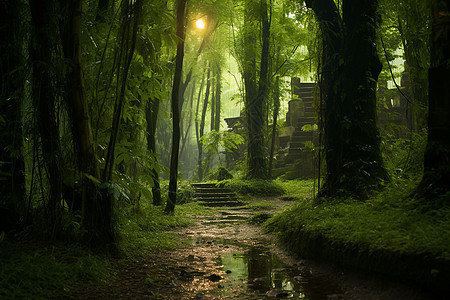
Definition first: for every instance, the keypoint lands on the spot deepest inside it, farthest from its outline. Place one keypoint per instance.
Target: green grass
(49, 271)
(148, 228)
(298, 189)
(259, 204)
(253, 187)
(390, 221)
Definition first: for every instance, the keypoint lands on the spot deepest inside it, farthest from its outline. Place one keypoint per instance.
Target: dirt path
(227, 258)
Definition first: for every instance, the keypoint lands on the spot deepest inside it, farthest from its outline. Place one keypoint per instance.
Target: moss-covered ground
(391, 223)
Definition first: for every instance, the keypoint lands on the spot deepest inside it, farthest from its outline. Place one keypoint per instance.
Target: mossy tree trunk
(361, 168)
(350, 69)
(434, 186)
(331, 27)
(255, 94)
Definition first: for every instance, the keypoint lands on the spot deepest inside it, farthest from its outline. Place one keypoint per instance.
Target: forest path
(225, 257)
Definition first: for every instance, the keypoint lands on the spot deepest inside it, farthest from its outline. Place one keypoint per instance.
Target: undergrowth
(390, 221)
(41, 270)
(30, 272)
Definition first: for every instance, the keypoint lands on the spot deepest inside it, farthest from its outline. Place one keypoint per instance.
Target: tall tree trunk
(257, 155)
(350, 68)
(202, 124)
(213, 103)
(189, 120)
(197, 125)
(96, 208)
(172, 198)
(276, 109)
(44, 99)
(249, 77)
(361, 169)
(218, 99)
(151, 115)
(331, 27)
(12, 80)
(434, 186)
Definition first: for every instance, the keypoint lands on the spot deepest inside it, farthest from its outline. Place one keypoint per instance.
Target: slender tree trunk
(151, 115)
(12, 80)
(131, 14)
(213, 104)
(197, 125)
(172, 198)
(44, 99)
(189, 120)
(434, 187)
(202, 124)
(218, 99)
(276, 109)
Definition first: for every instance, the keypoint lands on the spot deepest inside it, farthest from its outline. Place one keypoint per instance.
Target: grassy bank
(386, 233)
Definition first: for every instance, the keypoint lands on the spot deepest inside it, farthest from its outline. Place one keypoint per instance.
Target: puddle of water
(256, 273)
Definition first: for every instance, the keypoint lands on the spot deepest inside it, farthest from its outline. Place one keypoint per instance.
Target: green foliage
(219, 174)
(404, 157)
(213, 141)
(48, 272)
(390, 221)
(254, 187)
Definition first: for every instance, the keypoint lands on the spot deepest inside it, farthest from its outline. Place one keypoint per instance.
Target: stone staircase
(212, 196)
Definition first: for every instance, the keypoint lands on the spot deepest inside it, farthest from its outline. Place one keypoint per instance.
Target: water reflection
(257, 273)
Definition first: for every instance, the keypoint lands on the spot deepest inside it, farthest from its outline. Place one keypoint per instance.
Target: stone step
(208, 194)
(217, 199)
(203, 185)
(221, 203)
(218, 195)
(306, 97)
(213, 191)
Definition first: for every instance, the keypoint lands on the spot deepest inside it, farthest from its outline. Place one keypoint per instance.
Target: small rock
(228, 272)
(278, 294)
(191, 257)
(214, 277)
